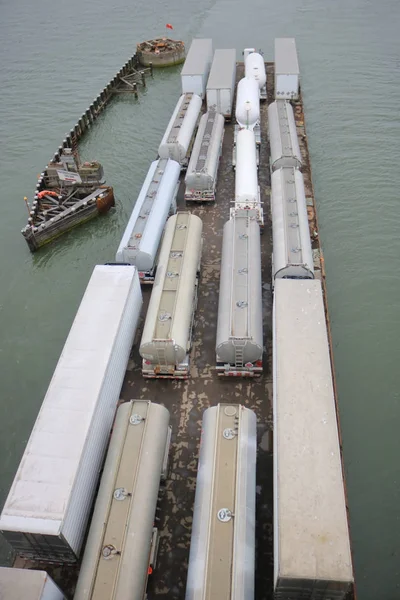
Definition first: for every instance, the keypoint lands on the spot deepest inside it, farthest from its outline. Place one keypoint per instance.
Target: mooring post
(135, 90)
(143, 78)
(151, 68)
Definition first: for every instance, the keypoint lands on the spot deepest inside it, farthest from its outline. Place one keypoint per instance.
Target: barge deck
(187, 399)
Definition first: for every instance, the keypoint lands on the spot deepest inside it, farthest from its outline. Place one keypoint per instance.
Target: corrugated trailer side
(26, 584)
(46, 511)
(239, 343)
(197, 66)
(201, 176)
(222, 549)
(312, 557)
(292, 256)
(221, 83)
(121, 546)
(167, 333)
(285, 149)
(141, 239)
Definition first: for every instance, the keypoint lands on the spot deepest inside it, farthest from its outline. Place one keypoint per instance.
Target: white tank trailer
(121, 548)
(222, 550)
(292, 256)
(201, 175)
(284, 143)
(254, 68)
(141, 240)
(247, 191)
(248, 103)
(178, 136)
(239, 346)
(167, 335)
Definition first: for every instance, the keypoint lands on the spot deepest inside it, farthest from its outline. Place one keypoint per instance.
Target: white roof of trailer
(222, 68)
(311, 518)
(286, 56)
(45, 478)
(199, 55)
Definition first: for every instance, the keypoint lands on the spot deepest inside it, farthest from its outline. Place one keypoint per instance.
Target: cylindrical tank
(254, 67)
(285, 150)
(222, 549)
(169, 316)
(204, 161)
(246, 181)
(292, 253)
(240, 293)
(178, 135)
(141, 239)
(248, 103)
(126, 503)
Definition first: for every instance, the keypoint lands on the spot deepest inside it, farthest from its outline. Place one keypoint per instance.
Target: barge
(186, 400)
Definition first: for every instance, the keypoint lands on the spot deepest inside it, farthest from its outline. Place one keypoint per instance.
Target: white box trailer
(202, 171)
(26, 584)
(292, 256)
(157, 199)
(222, 549)
(284, 143)
(197, 66)
(239, 345)
(121, 548)
(221, 83)
(312, 556)
(177, 139)
(287, 73)
(46, 512)
(167, 335)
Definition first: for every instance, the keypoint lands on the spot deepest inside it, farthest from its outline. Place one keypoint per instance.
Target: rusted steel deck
(187, 399)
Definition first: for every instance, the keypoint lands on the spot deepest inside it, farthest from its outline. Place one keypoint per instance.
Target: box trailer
(26, 584)
(312, 556)
(197, 66)
(287, 73)
(221, 83)
(47, 509)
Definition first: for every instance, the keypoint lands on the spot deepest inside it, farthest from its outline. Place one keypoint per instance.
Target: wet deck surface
(187, 400)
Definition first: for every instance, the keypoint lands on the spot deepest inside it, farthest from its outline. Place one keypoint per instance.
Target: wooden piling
(143, 78)
(135, 90)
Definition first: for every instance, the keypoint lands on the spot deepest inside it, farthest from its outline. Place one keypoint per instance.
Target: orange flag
(169, 26)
